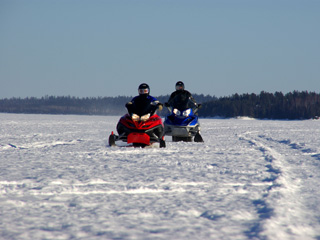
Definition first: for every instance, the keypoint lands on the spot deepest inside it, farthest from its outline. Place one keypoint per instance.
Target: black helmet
(144, 89)
(179, 86)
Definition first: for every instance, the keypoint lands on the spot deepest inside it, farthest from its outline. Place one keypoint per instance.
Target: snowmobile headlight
(186, 113)
(135, 117)
(176, 111)
(145, 117)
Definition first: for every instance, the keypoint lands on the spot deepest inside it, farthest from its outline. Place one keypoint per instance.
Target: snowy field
(251, 179)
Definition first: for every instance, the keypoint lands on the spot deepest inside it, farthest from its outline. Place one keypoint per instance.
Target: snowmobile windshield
(142, 106)
(182, 102)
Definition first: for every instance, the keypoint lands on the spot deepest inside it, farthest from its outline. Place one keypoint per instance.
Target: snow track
(292, 176)
(250, 180)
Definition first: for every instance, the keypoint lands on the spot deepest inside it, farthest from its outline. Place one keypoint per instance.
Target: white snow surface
(250, 179)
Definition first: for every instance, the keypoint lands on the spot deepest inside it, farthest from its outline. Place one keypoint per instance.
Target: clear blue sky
(90, 48)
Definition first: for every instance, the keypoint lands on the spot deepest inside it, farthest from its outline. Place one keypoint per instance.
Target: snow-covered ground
(251, 179)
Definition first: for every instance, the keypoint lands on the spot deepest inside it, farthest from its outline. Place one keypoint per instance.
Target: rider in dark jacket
(142, 99)
(182, 93)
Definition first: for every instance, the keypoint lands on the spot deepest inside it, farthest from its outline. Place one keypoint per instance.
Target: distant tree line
(65, 105)
(75, 105)
(294, 105)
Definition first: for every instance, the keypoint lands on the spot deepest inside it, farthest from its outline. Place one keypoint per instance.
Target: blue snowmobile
(182, 122)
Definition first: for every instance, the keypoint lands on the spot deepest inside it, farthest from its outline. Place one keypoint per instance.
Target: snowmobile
(182, 122)
(140, 127)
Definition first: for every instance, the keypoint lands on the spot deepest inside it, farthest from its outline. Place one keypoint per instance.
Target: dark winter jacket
(183, 96)
(142, 104)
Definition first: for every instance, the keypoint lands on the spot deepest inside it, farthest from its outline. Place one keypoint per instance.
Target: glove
(128, 104)
(160, 106)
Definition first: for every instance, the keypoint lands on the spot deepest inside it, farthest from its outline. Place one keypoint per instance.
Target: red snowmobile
(140, 127)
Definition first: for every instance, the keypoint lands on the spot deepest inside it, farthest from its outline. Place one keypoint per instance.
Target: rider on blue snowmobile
(144, 98)
(182, 122)
(182, 93)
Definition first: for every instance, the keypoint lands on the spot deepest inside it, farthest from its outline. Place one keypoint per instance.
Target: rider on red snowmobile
(141, 126)
(143, 99)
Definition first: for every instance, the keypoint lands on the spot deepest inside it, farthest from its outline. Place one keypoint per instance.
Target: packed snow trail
(250, 179)
(293, 175)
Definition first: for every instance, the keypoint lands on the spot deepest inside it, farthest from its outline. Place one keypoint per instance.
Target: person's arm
(156, 102)
(192, 99)
(129, 105)
(167, 104)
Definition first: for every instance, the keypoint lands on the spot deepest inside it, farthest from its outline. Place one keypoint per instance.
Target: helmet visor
(179, 87)
(143, 91)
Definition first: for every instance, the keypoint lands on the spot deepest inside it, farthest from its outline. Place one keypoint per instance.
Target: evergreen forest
(293, 105)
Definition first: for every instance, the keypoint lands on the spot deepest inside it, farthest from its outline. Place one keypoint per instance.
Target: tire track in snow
(58, 187)
(302, 164)
(296, 146)
(39, 145)
(281, 212)
(264, 210)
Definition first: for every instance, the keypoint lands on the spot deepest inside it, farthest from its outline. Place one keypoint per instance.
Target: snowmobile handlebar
(196, 106)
